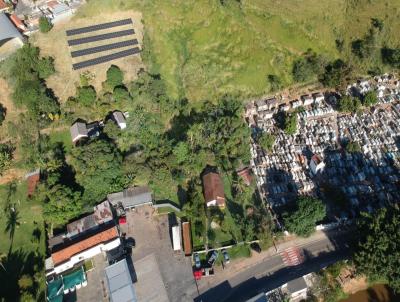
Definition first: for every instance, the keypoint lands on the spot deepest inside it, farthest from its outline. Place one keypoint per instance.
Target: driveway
(152, 237)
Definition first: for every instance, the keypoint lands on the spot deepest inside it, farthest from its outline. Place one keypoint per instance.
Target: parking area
(153, 243)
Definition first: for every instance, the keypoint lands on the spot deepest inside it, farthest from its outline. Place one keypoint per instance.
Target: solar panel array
(116, 34)
(88, 29)
(101, 48)
(88, 52)
(107, 58)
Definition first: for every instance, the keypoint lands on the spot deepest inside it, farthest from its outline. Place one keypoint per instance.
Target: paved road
(271, 272)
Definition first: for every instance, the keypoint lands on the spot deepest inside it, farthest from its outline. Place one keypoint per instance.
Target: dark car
(213, 258)
(226, 256)
(197, 262)
(255, 247)
(130, 242)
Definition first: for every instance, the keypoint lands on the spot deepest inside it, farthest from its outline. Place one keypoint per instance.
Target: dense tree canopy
(86, 95)
(308, 67)
(378, 251)
(290, 123)
(115, 77)
(302, 220)
(349, 104)
(266, 141)
(98, 167)
(353, 147)
(336, 74)
(370, 99)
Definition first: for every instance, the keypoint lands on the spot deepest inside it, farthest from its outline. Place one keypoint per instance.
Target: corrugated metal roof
(7, 29)
(119, 282)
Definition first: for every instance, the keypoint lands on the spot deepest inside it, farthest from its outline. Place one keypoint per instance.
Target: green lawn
(203, 49)
(30, 220)
(63, 137)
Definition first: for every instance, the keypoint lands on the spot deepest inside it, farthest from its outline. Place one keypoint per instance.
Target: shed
(119, 119)
(131, 197)
(119, 282)
(187, 238)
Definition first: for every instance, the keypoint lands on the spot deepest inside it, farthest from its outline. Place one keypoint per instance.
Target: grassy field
(30, 220)
(203, 49)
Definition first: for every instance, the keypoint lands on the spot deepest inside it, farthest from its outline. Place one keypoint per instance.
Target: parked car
(213, 258)
(197, 262)
(226, 256)
(255, 247)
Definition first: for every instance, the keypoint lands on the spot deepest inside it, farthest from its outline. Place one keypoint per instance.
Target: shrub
(86, 95)
(45, 25)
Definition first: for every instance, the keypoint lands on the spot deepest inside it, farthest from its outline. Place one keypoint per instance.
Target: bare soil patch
(54, 44)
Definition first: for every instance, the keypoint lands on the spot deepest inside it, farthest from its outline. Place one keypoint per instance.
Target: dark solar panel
(101, 48)
(88, 29)
(107, 58)
(101, 37)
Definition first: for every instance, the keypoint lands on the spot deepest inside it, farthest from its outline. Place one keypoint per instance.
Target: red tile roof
(17, 21)
(245, 174)
(76, 248)
(3, 5)
(33, 181)
(213, 188)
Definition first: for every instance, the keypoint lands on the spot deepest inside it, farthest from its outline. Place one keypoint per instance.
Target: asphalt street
(271, 272)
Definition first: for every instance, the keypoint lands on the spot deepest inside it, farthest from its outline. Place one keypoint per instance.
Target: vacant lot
(204, 49)
(54, 44)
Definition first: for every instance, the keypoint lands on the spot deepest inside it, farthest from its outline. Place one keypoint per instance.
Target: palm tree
(12, 222)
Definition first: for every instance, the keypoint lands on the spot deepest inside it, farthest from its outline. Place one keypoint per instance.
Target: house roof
(119, 117)
(296, 285)
(7, 29)
(245, 175)
(131, 197)
(213, 188)
(78, 129)
(66, 253)
(102, 214)
(3, 5)
(119, 282)
(17, 21)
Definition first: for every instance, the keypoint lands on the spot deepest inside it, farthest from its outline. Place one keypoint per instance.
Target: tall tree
(302, 220)
(378, 250)
(98, 167)
(12, 222)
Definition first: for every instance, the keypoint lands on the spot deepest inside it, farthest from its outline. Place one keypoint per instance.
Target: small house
(119, 118)
(78, 131)
(213, 190)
